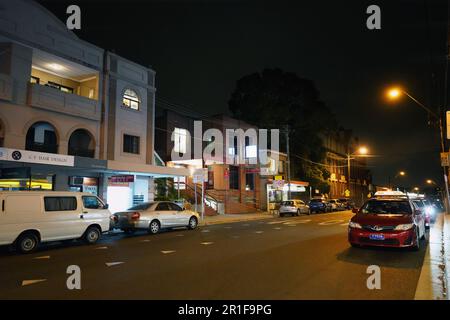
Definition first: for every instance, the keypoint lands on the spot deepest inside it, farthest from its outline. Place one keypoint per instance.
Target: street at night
(227, 158)
(305, 257)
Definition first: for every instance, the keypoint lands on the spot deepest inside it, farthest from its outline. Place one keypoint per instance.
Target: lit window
(180, 140)
(130, 99)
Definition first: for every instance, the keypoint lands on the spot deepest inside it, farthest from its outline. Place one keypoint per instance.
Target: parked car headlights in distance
(355, 225)
(404, 226)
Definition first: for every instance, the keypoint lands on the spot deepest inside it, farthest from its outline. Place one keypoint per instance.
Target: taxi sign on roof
(390, 193)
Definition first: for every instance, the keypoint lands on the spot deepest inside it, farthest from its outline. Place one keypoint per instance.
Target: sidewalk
(435, 274)
(227, 218)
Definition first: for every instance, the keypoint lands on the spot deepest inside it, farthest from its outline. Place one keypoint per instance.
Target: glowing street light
(394, 93)
(363, 150)
(402, 173)
(416, 188)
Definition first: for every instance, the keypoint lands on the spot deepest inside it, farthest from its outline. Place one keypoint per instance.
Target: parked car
(336, 205)
(348, 203)
(29, 218)
(319, 205)
(154, 216)
(387, 222)
(293, 207)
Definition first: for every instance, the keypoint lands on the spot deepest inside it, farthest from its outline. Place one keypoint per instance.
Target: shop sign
(36, 157)
(277, 184)
(252, 170)
(445, 159)
(122, 179)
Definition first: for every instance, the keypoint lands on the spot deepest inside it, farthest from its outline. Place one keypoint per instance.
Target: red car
(387, 222)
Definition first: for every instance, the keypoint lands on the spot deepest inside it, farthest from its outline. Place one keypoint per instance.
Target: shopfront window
(234, 177)
(249, 181)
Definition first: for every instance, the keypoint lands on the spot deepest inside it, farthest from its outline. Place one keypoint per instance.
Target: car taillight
(114, 218)
(135, 216)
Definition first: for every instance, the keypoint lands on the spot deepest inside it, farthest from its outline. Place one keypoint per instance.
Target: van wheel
(192, 223)
(27, 243)
(91, 235)
(416, 246)
(154, 227)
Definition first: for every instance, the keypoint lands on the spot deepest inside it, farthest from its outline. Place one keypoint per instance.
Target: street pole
(195, 195)
(288, 163)
(348, 171)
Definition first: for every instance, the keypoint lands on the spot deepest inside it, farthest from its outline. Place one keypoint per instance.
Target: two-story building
(73, 116)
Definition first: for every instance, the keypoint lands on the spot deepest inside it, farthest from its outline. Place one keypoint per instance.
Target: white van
(30, 217)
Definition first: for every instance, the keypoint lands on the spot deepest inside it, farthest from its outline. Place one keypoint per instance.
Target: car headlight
(404, 226)
(355, 225)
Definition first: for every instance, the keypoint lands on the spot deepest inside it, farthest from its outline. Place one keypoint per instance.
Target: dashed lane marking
(259, 231)
(145, 240)
(228, 227)
(344, 224)
(101, 248)
(168, 251)
(277, 228)
(206, 243)
(330, 222)
(182, 235)
(30, 282)
(205, 230)
(41, 258)
(277, 222)
(112, 264)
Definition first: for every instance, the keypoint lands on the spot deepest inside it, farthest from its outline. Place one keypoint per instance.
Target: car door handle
(81, 216)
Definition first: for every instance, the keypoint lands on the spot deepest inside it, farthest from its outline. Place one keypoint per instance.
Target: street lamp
(394, 94)
(360, 152)
(398, 174)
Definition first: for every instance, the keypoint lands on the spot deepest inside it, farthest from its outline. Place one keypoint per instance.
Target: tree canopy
(273, 99)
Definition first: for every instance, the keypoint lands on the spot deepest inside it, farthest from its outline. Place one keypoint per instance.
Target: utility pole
(348, 172)
(288, 162)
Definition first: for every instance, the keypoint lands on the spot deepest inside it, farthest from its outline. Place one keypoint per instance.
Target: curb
(232, 220)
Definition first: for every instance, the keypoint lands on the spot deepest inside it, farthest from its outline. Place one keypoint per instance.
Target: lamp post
(395, 93)
(361, 152)
(398, 174)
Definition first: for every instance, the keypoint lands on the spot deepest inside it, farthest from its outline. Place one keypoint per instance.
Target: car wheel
(91, 235)
(354, 245)
(154, 227)
(424, 236)
(309, 212)
(27, 243)
(193, 223)
(281, 214)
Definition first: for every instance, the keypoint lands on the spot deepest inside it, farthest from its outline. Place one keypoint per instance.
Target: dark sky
(200, 48)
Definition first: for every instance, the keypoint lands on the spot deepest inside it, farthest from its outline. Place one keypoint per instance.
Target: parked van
(28, 218)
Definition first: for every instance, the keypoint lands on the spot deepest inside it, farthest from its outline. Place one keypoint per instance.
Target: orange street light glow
(363, 150)
(402, 173)
(394, 93)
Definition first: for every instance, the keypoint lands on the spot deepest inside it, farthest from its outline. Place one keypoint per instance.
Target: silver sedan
(154, 216)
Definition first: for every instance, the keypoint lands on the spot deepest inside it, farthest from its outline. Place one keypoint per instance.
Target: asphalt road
(305, 257)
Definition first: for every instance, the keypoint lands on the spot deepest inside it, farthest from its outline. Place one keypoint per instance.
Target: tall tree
(273, 99)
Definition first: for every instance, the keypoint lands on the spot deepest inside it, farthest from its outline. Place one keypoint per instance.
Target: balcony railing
(81, 152)
(49, 98)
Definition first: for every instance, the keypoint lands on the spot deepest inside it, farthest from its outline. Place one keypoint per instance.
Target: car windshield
(287, 203)
(141, 206)
(386, 207)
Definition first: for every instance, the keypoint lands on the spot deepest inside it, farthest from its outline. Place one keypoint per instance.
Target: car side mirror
(355, 210)
(106, 206)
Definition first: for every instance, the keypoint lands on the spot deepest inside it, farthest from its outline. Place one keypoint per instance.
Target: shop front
(278, 191)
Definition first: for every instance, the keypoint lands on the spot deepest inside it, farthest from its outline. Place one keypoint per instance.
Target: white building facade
(72, 115)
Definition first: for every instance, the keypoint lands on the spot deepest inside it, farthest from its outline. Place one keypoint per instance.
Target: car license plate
(376, 236)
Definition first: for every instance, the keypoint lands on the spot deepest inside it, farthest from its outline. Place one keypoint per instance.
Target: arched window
(41, 137)
(81, 144)
(130, 99)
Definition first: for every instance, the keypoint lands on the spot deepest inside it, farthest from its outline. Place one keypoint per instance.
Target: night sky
(200, 48)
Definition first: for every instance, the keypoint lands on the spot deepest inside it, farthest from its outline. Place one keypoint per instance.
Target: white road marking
(41, 257)
(291, 225)
(101, 248)
(29, 282)
(277, 222)
(344, 224)
(330, 222)
(277, 228)
(205, 230)
(167, 251)
(145, 240)
(259, 231)
(206, 243)
(111, 264)
(245, 224)
(228, 227)
(303, 221)
(182, 235)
